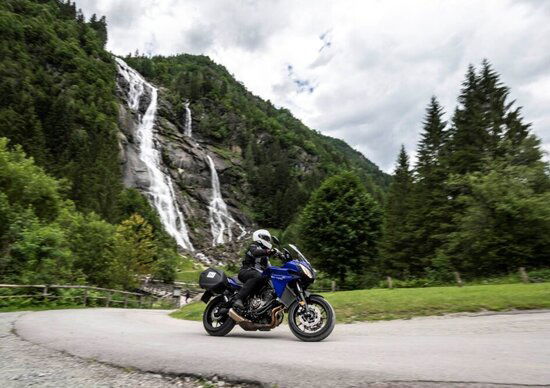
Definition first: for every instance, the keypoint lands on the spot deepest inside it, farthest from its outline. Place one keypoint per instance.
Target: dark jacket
(256, 257)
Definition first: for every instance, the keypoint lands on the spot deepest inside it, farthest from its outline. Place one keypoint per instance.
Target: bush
(539, 276)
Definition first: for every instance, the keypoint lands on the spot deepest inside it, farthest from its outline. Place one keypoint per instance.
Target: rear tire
(314, 325)
(214, 324)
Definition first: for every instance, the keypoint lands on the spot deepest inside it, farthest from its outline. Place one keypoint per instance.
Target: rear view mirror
(275, 240)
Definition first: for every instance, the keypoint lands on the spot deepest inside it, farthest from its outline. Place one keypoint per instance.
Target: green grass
(385, 304)
(192, 312)
(188, 270)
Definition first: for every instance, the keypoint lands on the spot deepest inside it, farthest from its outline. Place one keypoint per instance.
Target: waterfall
(160, 190)
(188, 130)
(221, 222)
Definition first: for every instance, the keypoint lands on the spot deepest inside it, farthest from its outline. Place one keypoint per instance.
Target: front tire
(314, 323)
(215, 324)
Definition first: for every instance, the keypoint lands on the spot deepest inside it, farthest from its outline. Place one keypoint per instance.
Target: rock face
(185, 160)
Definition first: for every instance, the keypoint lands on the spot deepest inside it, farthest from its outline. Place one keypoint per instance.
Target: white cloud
(373, 64)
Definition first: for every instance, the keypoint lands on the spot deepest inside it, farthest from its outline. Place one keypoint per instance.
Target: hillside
(279, 159)
(57, 99)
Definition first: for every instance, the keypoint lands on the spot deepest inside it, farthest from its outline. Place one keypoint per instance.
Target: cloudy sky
(362, 71)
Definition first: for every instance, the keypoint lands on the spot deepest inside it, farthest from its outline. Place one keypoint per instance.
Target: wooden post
(150, 302)
(45, 293)
(85, 297)
(125, 300)
(458, 278)
(523, 275)
(333, 286)
(390, 281)
(109, 296)
(176, 296)
(140, 301)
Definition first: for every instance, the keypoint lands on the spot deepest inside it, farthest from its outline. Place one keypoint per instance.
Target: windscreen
(300, 255)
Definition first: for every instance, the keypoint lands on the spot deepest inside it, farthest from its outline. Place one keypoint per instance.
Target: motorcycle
(310, 317)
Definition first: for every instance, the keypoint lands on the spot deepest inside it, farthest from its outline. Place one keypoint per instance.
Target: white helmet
(263, 237)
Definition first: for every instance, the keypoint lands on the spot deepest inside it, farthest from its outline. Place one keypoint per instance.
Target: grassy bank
(379, 304)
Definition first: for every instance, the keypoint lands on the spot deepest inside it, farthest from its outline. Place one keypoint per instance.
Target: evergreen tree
(340, 227)
(491, 154)
(430, 206)
(398, 240)
(486, 125)
(505, 223)
(57, 97)
(469, 139)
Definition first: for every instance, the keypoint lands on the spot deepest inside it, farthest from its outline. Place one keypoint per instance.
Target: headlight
(306, 271)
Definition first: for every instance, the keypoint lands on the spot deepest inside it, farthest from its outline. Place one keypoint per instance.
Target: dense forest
(476, 202)
(63, 210)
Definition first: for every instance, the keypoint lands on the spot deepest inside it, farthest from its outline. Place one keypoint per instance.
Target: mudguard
(308, 294)
(293, 298)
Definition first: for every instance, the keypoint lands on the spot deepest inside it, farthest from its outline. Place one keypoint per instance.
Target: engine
(260, 300)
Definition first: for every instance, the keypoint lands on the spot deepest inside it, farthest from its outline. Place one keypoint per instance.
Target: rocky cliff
(184, 161)
(228, 159)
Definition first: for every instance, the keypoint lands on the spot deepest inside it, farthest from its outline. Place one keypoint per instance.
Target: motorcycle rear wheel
(314, 323)
(216, 324)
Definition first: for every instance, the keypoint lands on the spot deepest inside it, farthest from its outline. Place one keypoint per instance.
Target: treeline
(64, 215)
(45, 240)
(477, 201)
(57, 97)
(284, 161)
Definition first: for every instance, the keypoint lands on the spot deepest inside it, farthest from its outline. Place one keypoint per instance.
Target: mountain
(212, 158)
(270, 161)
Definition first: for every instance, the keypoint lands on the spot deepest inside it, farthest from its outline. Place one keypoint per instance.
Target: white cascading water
(187, 131)
(161, 191)
(221, 222)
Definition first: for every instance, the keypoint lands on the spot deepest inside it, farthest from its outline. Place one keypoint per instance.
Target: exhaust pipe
(236, 317)
(248, 325)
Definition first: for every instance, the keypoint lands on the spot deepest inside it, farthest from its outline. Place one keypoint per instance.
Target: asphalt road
(501, 348)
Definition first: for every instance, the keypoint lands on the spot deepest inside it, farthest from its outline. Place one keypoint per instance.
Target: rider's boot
(238, 303)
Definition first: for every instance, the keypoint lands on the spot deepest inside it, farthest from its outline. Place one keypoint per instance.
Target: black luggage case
(213, 280)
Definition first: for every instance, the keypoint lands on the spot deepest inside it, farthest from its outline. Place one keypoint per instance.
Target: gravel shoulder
(24, 364)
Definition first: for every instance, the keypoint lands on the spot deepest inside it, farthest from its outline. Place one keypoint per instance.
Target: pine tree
(486, 125)
(504, 224)
(429, 213)
(469, 138)
(397, 242)
(495, 169)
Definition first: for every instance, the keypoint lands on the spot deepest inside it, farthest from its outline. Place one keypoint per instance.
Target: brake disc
(311, 319)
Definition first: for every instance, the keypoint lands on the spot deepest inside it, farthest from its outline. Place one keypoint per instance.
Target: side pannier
(213, 280)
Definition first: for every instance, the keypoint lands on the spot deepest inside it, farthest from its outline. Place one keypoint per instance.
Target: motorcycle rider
(255, 261)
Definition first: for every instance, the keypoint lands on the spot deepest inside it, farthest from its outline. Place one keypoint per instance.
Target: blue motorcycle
(310, 316)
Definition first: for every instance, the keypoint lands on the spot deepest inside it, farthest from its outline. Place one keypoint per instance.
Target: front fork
(301, 296)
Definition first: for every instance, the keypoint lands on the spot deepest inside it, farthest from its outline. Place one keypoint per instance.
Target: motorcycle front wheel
(313, 322)
(214, 323)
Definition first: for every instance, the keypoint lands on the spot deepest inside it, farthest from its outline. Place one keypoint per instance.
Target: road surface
(497, 348)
